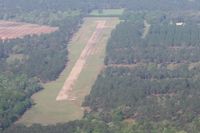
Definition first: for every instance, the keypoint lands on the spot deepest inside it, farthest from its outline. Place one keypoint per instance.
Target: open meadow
(107, 12)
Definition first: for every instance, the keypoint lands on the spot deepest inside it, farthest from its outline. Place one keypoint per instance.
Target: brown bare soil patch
(64, 94)
(12, 30)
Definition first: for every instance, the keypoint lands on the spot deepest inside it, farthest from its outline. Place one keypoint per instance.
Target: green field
(49, 111)
(107, 12)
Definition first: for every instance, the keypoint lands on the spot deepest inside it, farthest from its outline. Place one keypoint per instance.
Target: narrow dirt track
(64, 93)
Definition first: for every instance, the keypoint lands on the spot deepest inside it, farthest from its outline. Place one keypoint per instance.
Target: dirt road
(65, 94)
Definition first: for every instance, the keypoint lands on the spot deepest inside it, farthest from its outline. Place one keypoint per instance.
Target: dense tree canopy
(15, 97)
(30, 5)
(165, 43)
(150, 83)
(26, 61)
(153, 78)
(40, 53)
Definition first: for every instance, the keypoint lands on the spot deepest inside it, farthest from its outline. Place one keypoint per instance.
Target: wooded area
(154, 79)
(149, 84)
(165, 43)
(15, 96)
(25, 62)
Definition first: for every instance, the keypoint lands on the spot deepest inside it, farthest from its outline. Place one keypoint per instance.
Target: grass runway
(49, 111)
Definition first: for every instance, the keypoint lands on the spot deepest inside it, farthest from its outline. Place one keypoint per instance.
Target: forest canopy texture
(151, 79)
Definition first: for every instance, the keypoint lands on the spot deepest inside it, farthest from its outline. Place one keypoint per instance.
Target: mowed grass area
(107, 12)
(49, 111)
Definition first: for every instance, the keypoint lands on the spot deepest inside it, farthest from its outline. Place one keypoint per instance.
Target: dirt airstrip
(12, 30)
(64, 93)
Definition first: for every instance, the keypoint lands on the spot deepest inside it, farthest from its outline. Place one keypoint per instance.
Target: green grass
(107, 12)
(46, 109)
(15, 57)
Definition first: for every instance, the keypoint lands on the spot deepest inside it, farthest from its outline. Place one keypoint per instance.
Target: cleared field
(49, 111)
(11, 30)
(64, 94)
(107, 12)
